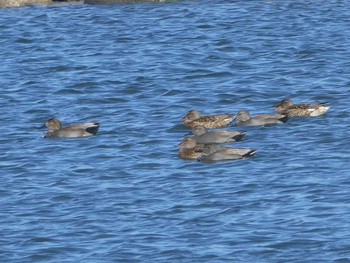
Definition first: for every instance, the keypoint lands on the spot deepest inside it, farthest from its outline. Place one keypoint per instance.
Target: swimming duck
(193, 118)
(214, 153)
(287, 107)
(243, 118)
(202, 135)
(223, 155)
(74, 131)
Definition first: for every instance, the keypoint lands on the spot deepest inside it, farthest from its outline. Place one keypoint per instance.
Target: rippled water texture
(124, 195)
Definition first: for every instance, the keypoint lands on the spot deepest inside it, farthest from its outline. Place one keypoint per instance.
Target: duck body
(287, 107)
(227, 155)
(193, 118)
(57, 131)
(270, 116)
(243, 118)
(211, 148)
(202, 135)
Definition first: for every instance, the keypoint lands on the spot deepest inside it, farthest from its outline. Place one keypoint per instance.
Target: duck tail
(93, 129)
(240, 136)
(249, 154)
(284, 119)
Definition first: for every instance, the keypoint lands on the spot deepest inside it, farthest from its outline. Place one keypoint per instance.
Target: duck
(287, 107)
(190, 150)
(243, 118)
(56, 130)
(202, 135)
(213, 153)
(193, 118)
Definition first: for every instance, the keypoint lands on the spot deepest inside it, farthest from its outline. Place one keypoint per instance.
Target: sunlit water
(124, 195)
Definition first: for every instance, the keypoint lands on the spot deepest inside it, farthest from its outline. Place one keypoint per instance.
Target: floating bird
(193, 118)
(214, 153)
(74, 131)
(223, 155)
(201, 135)
(243, 118)
(287, 107)
(211, 153)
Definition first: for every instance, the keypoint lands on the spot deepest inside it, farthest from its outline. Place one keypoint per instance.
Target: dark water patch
(68, 91)
(24, 41)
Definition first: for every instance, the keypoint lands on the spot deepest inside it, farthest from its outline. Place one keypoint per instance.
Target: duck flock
(204, 145)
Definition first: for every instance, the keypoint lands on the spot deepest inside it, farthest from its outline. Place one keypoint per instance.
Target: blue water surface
(125, 195)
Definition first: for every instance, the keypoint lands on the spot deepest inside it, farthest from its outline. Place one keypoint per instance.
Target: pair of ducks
(198, 146)
(243, 118)
(203, 145)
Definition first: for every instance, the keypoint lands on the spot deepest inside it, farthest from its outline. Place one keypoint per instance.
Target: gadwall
(243, 118)
(213, 153)
(193, 118)
(287, 107)
(210, 153)
(74, 131)
(201, 135)
(222, 155)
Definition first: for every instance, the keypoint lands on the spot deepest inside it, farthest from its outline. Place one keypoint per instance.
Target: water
(124, 195)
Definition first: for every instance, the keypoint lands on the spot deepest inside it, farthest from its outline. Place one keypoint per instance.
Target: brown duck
(287, 107)
(193, 118)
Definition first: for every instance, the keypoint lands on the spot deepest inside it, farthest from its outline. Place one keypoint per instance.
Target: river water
(124, 195)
